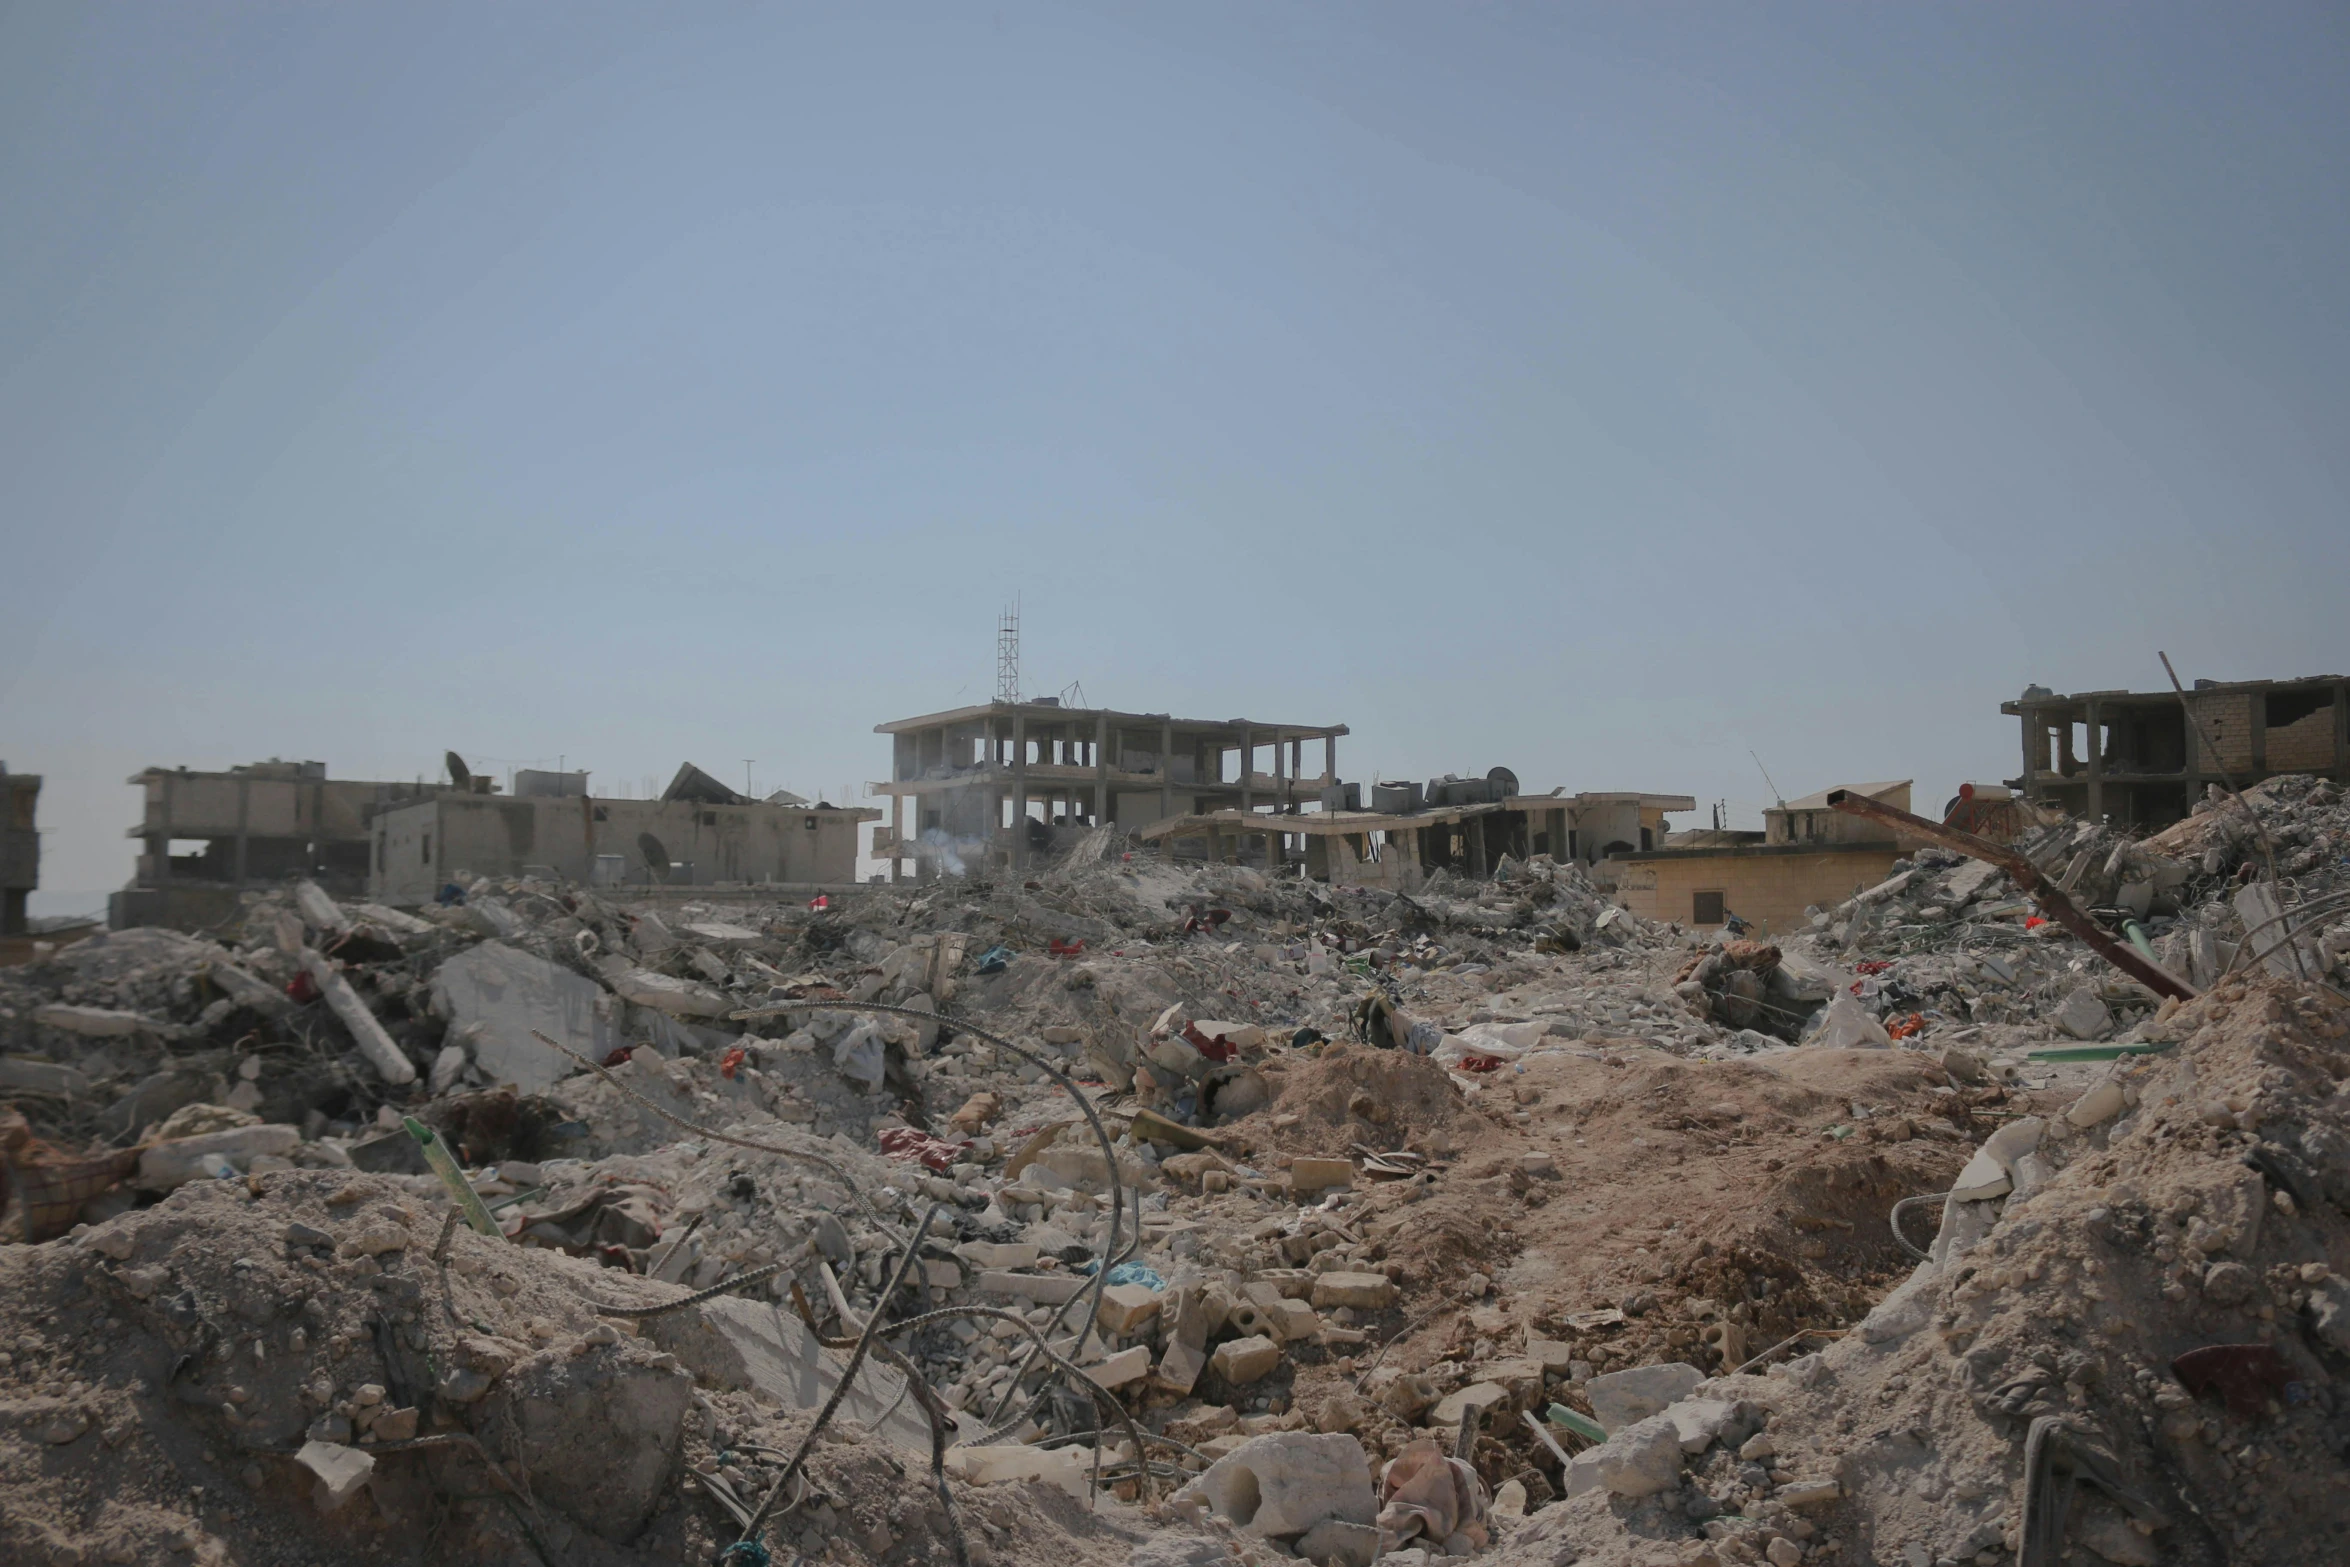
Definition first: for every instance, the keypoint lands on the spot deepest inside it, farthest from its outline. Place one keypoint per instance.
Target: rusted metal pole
(2027, 876)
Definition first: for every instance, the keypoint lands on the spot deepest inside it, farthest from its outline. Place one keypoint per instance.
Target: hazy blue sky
(1600, 391)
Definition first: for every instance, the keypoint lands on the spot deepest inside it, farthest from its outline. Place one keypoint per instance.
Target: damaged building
(997, 782)
(20, 847)
(1465, 826)
(700, 833)
(207, 836)
(2142, 759)
(1806, 855)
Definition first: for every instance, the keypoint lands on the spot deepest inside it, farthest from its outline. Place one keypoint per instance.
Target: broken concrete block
(599, 1435)
(1623, 1398)
(319, 912)
(1362, 1291)
(94, 1022)
(1642, 1459)
(1293, 1320)
(680, 998)
(247, 991)
(1353, 1544)
(1127, 1366)
(173, 1164)
(340, 1472)
(2084, 1014)
(1553, 1355)
(2100, 1104)
(1180, 1366)
(995, 1464)
(493, 996)
(1314, 1175)
(1846, 1025)
(1285, 1483)
(1699, 1422)
(447, 1067)
(755, 1347)
(1480, 1396)
(1126, 1307)
(1043, 1289)
(1241, 1361)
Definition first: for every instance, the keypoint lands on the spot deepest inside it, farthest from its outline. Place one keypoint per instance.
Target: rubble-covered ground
(1493, 1149)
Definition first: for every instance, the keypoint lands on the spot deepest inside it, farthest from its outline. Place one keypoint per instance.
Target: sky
(1607, 392)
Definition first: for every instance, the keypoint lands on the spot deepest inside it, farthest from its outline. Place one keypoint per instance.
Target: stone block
(993, 1465)
(494, 995)
(1125, 1367)
(1315, 1175)
(1480, 1396)
(1127, 1308)
(1642, 1459)
(1623, 1398)
(1285, 1483)
(1353, 1544)
(1294, 1321)
(1241, 1361)
(339, 1471)
(1042, 1289)
(1362, 1291)
(175, 1163)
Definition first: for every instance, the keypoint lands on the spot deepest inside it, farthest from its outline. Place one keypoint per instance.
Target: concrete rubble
(1486, 1219)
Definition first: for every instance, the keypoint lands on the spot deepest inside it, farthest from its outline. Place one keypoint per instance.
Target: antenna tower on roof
(1007, 653)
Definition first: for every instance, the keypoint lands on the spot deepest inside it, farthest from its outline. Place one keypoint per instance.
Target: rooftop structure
(205, 836)
(701, 834)
(2137, 759)
(1806, 854)
(998, 781)
(1397, 849)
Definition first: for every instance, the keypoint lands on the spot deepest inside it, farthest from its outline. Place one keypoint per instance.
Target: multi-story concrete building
(206, 836)
(2142, 759)
(994, 782)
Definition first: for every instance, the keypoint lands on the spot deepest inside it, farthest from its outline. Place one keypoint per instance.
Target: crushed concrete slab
(761, 1347)
(494, 995)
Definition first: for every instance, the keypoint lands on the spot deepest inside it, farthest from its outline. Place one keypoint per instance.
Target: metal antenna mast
(1766, 772)
(1007, 653)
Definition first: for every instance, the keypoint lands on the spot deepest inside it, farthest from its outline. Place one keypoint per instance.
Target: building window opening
(2286, 708)
(1705, 908)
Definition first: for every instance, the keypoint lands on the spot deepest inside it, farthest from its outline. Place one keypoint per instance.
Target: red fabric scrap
(820, 901)
(1902, 1028)
(302, 988)
(732, 1062)
(1480, 1063)
(2033, 922)
(932, 1153)
(618, 1057)
(1216, 1050)
(1066, 949)
(1872, 966)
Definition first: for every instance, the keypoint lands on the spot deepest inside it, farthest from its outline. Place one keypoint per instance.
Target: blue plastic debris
(1136, 1273)
(993, 961)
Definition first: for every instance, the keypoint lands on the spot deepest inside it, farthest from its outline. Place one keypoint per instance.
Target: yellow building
(1807, 854)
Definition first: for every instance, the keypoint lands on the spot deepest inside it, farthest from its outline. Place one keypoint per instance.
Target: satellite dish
(458, 774)
(656, 856)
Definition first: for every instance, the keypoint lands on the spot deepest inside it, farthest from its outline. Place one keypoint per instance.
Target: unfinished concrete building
(988, 785)
(1397, 849)
(699, 834)
(1807, 854)
(20, 847)
(206, 836)
(2137, 759)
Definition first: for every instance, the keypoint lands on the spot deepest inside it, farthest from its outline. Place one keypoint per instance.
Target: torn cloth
(1436, 1495)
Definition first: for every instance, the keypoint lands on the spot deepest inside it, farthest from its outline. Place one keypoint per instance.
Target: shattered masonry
(1490, 1215)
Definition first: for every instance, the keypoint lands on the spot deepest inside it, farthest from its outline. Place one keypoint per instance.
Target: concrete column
(1167, 773)
(1019, 790)
(2093, 729)
(1330, 758)
(897, 834)
(162, 841)
(1246, 735)
(2256, 721)
(244, 810)
(1280, 773)
(2341, 735)
(1101, 770)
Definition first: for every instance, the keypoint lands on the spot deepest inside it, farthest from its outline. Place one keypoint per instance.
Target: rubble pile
(1219, 1218)
(2135, 1300)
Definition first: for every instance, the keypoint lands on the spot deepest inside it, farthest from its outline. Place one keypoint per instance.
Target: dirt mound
(2161, 1312)
(1382, 1099)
